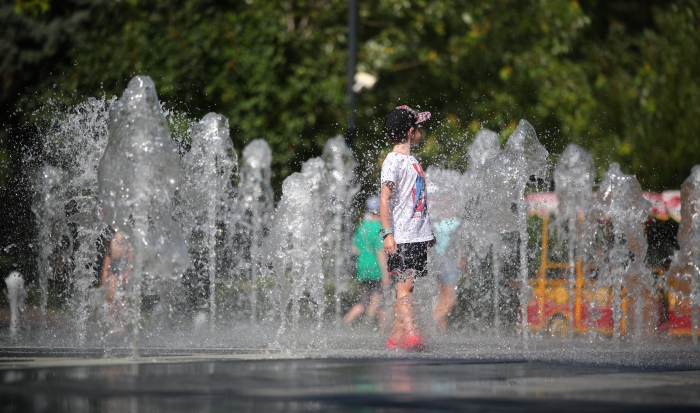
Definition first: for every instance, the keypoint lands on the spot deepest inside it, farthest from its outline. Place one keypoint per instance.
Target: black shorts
(369, 287)
(410, 260)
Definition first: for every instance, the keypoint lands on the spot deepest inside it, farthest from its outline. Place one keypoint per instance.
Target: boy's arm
(385, 216)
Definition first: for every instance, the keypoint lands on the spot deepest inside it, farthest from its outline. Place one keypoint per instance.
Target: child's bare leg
(403, 309)
(445, 304)
(354, 312)
(381, 319)
(403, 318)
(374, 303)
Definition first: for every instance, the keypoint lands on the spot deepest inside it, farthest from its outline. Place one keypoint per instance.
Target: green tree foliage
(620, 83)
(647, 87)
(275, 70)
(35, 36)
(617, 77)
(479, 64)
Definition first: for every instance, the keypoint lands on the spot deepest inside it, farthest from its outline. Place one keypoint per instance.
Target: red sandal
(413, 343)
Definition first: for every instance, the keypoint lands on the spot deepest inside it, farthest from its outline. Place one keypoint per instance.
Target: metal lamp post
(351, 132)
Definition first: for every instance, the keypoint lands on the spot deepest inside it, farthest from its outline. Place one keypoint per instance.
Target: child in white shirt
(403, 210)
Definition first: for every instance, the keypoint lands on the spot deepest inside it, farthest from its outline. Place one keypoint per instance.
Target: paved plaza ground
(453, 376)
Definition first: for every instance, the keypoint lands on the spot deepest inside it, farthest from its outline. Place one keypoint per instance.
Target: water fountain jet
(502, 200)
(618, 213)
(138, 175)
(340, 192)
(48, 207)
(295, 246)
(16, 295)
(253, 210)
(573, 179)
(206, 197)
(683, 276)
(74, 141)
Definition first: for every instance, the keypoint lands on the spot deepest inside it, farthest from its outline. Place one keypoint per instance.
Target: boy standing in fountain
(403, 210)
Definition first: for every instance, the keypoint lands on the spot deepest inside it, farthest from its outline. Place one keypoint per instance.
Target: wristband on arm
(384, 232)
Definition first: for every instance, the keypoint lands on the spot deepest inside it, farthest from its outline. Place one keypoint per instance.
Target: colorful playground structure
(562, 304)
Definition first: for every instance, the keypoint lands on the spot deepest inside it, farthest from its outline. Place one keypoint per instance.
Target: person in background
(448, 272)
(371, 265)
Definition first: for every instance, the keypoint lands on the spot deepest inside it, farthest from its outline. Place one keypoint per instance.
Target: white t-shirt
(409, 199)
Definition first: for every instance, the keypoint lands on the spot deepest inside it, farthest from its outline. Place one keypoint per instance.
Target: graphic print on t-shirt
(410, 217)
(420, 207)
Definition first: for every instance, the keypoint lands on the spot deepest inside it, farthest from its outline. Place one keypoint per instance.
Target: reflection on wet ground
(357, 385)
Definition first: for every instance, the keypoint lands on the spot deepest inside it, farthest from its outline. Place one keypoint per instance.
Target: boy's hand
(431, 243)
(389, 244)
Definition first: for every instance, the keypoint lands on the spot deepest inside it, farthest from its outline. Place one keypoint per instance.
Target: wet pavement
(213, 380)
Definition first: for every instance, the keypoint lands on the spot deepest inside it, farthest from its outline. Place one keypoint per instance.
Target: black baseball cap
(401, 119)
